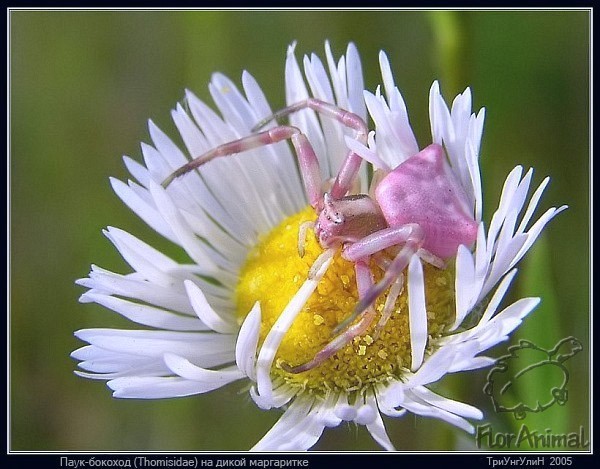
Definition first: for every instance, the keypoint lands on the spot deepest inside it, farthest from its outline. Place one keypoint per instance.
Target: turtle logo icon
(526, 363)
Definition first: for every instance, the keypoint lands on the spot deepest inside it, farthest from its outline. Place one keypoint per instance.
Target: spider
(419, 207)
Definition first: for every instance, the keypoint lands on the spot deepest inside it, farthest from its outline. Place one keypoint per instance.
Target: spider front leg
(364, 282)
(349, 119)
(349, 169)
(307, 160)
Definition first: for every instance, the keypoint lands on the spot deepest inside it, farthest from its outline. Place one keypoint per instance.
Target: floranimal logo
(524, 365)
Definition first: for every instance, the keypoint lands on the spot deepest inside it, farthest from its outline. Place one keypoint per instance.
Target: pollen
(273, 273)
(318, 319)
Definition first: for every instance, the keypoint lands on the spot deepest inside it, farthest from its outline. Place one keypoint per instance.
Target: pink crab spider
(419, 207)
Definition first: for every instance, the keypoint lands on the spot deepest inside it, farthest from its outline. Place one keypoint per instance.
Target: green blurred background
(84, 83)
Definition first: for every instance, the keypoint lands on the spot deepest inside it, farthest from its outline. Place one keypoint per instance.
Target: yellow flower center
(273, 273)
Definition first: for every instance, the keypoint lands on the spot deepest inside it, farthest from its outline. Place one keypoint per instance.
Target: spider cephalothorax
(347, 220)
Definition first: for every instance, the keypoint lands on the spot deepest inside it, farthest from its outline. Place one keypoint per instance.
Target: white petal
(155, 387)
(247, 342)
(329, 417)
(366, 414)
(390, 398)
(482, 262)
(137, 170)
(188, 240)
(465, 287)
(317, 79)
(214, 129)
(165, 146)
(416, 405)
(465, 355)
(295, 414)
(204, 349)
(355, 83)
(193, 139)
(333, 132)
(535, 231)
(398, 113)
(386, 74)
(510, 186)
(255, 95)
(472, 157)
(497, 297)
(187, 191)
(234, 108)
(395, 141)
(158, 167)
(280, 397)
(435, 367)
(507, 321)
(417, 312)
(345, 411)
(132, 286)
(141, 208)
(276, 334)
(206, 313)
(151, 264)
(231, 253)
(141, 370)
(503, 261)
(213, 379)
(473, 364)
(298, 429)
(146, 315)
(455, 407)
(295, 91)
(192, 192)
(105, 364)
(377, 429)
(505, 236)
(338, 79)
(281, 158)
(439, 116)
(366, 153)
(489, 310)
(239, 197)
(535, 198)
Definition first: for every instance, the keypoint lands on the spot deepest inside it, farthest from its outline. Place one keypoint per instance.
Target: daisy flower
(247, 305)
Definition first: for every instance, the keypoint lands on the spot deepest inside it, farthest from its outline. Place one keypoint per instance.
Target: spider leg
(347, 118)
(388, 308)
(307, 160)
(364, 281)
(431, 259)
(304, 227)
(411, 237)
(349, 169)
